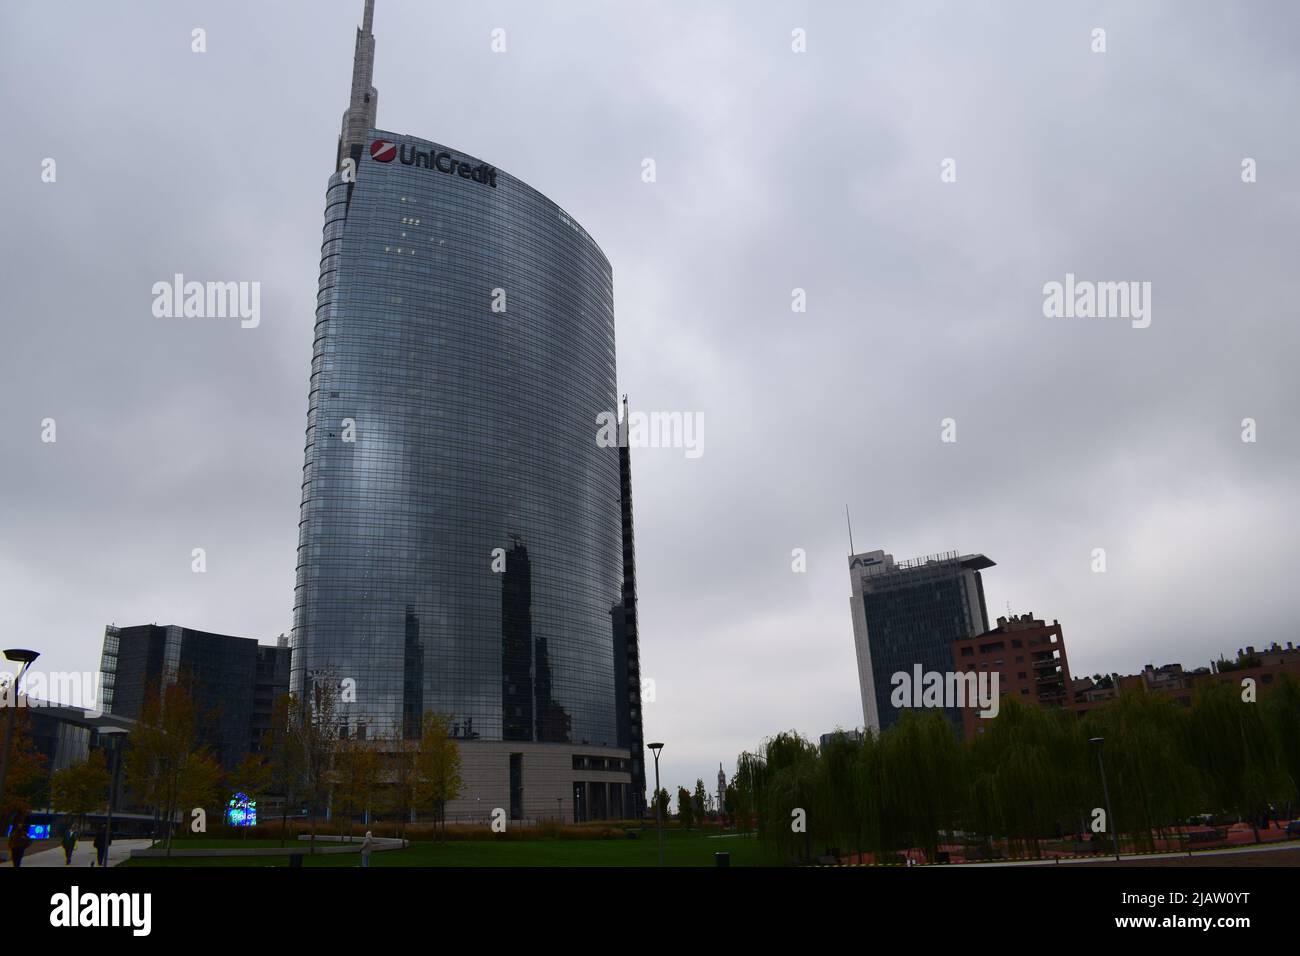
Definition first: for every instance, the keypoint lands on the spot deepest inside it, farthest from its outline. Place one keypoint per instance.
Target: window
(516, 786)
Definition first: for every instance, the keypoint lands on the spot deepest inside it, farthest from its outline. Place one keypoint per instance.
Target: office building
(463, 536)
(907, 614)
(852, 736)
(64, 735)
(627, 655)
(234, 681)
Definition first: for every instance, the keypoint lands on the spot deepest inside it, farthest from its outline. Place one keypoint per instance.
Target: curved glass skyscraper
(461, 537)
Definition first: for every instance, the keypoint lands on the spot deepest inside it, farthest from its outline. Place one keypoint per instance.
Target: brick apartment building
(1029, 657)
(1263, 667)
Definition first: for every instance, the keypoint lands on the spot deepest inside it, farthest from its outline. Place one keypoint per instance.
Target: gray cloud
(775, 171)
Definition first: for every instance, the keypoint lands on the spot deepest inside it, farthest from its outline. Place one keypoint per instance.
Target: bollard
(722, 859)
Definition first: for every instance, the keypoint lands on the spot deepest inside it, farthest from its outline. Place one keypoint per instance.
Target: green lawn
(680, 849)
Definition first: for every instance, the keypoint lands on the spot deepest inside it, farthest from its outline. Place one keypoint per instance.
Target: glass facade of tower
(909, 614)
(460, 542)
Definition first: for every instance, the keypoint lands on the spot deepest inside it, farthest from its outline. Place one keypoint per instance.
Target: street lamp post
(116, 734)
(659, 823)
(25, 657)
(1111, 825)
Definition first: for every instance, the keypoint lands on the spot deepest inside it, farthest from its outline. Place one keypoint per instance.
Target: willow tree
(748, 782)
(793, 811)
(1281, 709)
(839, 768)
(869, 796)
(1149, 769)
(921, 779)
(1233, 746)
(1023, 776)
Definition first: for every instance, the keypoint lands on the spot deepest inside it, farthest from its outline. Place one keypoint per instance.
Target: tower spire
(364, 101)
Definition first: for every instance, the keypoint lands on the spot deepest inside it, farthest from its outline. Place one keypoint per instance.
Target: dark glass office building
(460, 542)
(909, 613)
(234, 680)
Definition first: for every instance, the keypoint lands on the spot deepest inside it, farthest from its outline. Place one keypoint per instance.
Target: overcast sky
(776, 170)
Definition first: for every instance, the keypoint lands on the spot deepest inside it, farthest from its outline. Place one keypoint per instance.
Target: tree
(436, 768)
(1029, 774)
(286, 760)
(81, 788)
(732, 798)
(164, 738)
(748, 781)
(699, 801)
(661, 801)
(839, 766)
(1150, 766)
(252, 777)
(1026, 776)
(316, 733)
(685, 811)
(25, 778)
(399, 795)
(356, 772)
(790, 792)
(1282, 714)
(200, 787)
(1232, 745)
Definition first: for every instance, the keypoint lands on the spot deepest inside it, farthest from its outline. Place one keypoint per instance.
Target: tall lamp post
(24, 657)
(117, 735)
(659, 823)
(1110, 815)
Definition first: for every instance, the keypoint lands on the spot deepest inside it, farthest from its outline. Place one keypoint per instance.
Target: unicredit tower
(465, 542)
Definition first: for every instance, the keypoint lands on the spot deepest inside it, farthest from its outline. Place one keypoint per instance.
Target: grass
(680, 849)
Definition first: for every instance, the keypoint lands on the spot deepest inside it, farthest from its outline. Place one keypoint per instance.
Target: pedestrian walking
(19, 841)
(69, 843)
(366, 845)
(101, 846)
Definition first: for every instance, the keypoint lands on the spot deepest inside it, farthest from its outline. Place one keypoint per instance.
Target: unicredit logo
(383, 151)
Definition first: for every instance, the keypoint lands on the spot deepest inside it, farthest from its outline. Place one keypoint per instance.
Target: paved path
(83, 855)
(1283, 853)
